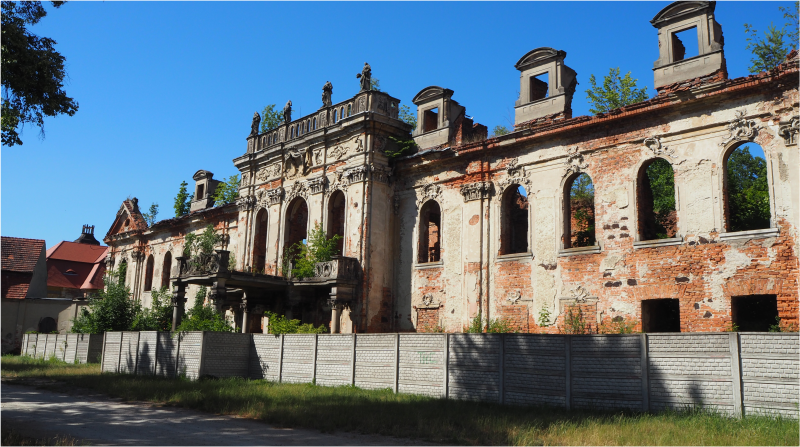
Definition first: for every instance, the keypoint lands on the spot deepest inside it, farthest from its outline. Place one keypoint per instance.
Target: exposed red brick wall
(428, 320)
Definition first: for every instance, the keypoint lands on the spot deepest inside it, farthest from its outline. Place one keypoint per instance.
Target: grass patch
(382, 412)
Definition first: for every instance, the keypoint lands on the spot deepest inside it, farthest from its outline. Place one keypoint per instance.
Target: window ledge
(428, 265)
(658, 242)
(514, 257)
(752, 234)
(594, 249)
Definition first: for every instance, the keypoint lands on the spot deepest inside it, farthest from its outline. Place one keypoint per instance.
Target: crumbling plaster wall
(703, 271)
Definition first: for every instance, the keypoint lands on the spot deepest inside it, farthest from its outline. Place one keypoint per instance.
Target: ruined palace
(555, 219)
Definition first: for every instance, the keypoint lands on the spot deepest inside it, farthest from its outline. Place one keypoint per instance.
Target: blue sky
(166, 89)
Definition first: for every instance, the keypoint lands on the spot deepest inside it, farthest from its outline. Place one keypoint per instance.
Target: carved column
(218, 294)
(245, 314)
(338, 297)
(178, 301)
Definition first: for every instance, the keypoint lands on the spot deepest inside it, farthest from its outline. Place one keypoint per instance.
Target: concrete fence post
(446, 366)
(202, 357)
(736, 375)
(136, 354)
(314, 365)
(178, 355)
(155, 355)
(119, 353)
(568, 371)
(280, 362)
(102, 353)
(500, 368)
(645, 367)
(353, 362)
(396, 362)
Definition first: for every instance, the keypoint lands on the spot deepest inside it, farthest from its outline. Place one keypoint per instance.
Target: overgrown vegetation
(183, 200)
(150, 216)
(544, 317)
(32, 72)
(382, 412)
(581, 196)
(204, 317)
(202, 244)
(770, 50)
(494, 326)
(271, 118)
(662, 184)
(227, 191)
(407, 116)
(279, 324)
(615, 92)
(748, 193)
(317, 248)
(574, 322)
(617, 325)
(401, 147)
(499, 130)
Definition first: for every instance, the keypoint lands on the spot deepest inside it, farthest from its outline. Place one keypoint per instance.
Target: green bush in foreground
(204, 317)
(279, 324)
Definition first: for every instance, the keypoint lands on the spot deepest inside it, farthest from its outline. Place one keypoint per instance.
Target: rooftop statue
(327, 92)
(254, 124)
(287, 112)
(366, 78)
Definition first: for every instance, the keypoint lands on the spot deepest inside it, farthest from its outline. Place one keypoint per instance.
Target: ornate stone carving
(429, 301)
(327, 92)
(318, 156)
(382, 106)
(245, 179)
(317, 185)
(381, 174)
(516, 176)
(204, 264)
(579, 294)
(359, 144)
(246, 203)
(476, 191)
(379, 143)
(293, 164)
(254, 124)
(337, 268)
(514, 296)
(355, 175)
(287, 113)
(274, 196)
(268, 172)
(740, 129)
(654, 144)
(298, 189)
(431, 191)
(366, 78)
(338, 152)
(574, 162)
(789, 130)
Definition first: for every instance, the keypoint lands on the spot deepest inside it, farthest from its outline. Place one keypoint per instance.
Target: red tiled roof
(77, 252)
(19, 254)
(15, 284)
(76, 266)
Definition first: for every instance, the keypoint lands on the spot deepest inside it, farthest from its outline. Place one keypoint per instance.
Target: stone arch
(578, 212)
(296, 229)
(337, 207)
(656, 214)
(514, 220)
(166, 270)
(738, 176)
(430, 231)
(260, 240)
(148, 273)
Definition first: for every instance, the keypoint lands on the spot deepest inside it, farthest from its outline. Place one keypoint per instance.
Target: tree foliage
(399, 147)
(581, 195)
(203, 243)
(183, 200)
(317, 248)
(158, 317)
(615, 92)
(407, 116)
(111, 309)
(150, 216)
(374, 84)
(500, 130)
(768, 51)
(279, 324)
(748, 194)
(32, 72)
(661, 177)
(271, 118)
(204, 317)
(227, 191)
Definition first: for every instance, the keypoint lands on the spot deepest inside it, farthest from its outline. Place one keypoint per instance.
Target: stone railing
(204, 264)
(341, 268)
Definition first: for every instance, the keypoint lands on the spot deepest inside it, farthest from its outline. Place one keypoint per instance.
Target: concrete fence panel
(167, 354)
(535, 369)
(61, 346)
(190, 350)
(421, 365)
(376, 361)
(146, 353)
(299, 351)
(111, 350)
(770, 365)
(334, 359)
(225, 354)
(129, 352)
(30, 344)
(41, 345)
(688, 370)
(606, 372)
(24, 346)
(473, 367)
(71, 352)
(50, 346)
(265, 357)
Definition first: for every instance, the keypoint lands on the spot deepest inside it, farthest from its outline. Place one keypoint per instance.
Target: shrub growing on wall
(279, 324)
(204, 317)
(111, 309)
(318, 248)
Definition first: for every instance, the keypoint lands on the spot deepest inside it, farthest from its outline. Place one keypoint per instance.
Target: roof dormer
(546, 85)
(204, 189)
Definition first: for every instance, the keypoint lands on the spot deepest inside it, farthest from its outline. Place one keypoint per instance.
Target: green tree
(111, 309)
(407, 116)
(791, 16)
(158, 317)
(271, 118)
(227, 192)
(150, 216)
(318, 248)
(183, 200)
(32, 72)
(374, 84)
(279, 324)
(582, 206)
(662, 184)
(204, 243)
(769, 52)
(615, 92)
(748, 194)
(500, 130)
(204, 317)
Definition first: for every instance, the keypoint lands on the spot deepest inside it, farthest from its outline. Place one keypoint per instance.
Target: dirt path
(97, 419)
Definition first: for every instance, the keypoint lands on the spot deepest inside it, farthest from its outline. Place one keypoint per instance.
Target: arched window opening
(579, 212)
(335, 114)
(336, 216)
(315, 124)
(166, 270)
(349, 110)
(746, 191)
(148, 274)
(269, 140)
(291, 134)
(341, 112)
(514, 225)
(47, 325)
(296, 229)
(429, 233)
(655, 201)
(260, 242)
(122, 272)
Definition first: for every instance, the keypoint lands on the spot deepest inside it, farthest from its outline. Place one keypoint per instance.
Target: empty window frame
(655, 201)
(579, 212)
(349, 110)
(539, 87)
(746, 191)
(661, 315)
(514, 221)
(430, 120)
(296, 229)
(754, 313)
(166, 270)
(335, 115)
(684, 44)
(336, 219)
(260, 241)
(200, 192)
(430, 233)
(148, 274)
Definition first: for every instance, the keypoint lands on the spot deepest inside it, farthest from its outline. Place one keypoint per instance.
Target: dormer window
(684, 44)
(431, 120)
(539, 87)
(70, 272)
(200, 191)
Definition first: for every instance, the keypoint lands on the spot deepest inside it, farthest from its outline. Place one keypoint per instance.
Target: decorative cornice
(317, 185)
(246, 203)
(381, 173)
(789, 130)
(740, 129)
(476, 191)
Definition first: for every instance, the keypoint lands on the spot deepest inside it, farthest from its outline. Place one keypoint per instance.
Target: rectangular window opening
(684, 44)
(199, 192)
(430, 120)
(754, 313)
(661, 315)
(539, 87)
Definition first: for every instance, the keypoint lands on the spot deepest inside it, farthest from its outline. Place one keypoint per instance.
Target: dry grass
(444, 421)
(11, 437)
